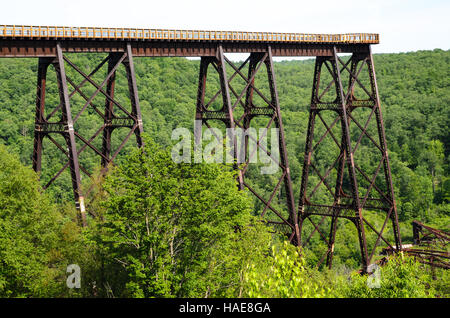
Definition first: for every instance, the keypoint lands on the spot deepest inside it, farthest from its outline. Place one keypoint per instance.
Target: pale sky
(403, 25)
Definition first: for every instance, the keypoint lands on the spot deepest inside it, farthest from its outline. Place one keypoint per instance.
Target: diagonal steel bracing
(356, 190)
(239, 114)
(115, 115)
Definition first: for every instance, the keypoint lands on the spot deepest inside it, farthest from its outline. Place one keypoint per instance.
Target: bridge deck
(40, 41)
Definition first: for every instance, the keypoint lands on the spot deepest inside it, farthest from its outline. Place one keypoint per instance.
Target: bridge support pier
(114, 116)
(241, 107)
(348, 189)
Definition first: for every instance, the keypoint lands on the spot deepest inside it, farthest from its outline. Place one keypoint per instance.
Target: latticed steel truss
(350, 188)
(239, 113)
(115, 115)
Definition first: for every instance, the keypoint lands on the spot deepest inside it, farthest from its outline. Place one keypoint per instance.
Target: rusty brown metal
(287, 217)
(431, 246)
(116, 115)
(355, 191)
(47, 48)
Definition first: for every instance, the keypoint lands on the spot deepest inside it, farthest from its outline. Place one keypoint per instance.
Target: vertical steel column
(350, 161)
(69, 133)
(338, 192)
(200, 106)
(132, 86)
(204, 63)
(254, 59)
(40, 111)
(228, 110)
(308, 145)
(293, 217)
(109, 109)
(383, 144)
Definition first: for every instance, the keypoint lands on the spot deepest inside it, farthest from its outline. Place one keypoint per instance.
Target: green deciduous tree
(36, 241)
(177, 229)
(284, 276)
(401, 277)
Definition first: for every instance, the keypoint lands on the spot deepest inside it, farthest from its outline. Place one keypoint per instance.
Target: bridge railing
(16, 31)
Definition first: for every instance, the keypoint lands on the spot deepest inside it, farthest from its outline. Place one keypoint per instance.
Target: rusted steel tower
(240, 113)
(345, 113)
(114, 116)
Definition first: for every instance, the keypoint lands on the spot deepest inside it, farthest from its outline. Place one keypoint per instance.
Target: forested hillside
(415, 97)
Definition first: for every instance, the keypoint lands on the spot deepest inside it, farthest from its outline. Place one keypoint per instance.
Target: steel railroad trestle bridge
(344, 112)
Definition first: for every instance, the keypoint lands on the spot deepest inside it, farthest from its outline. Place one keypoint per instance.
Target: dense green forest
(181, 230)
